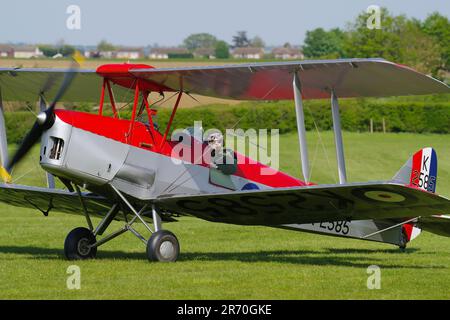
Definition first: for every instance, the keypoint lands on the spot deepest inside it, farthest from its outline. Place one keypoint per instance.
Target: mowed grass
(220, 261)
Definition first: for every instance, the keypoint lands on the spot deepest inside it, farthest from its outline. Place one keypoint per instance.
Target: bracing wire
(322, 143)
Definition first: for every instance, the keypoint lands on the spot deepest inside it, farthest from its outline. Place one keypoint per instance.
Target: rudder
(420, 171)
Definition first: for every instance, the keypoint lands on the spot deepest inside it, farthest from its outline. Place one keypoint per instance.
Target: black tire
(163, 246)
(75, 246)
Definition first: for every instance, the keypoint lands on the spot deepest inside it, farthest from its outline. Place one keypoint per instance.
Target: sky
(167, 23)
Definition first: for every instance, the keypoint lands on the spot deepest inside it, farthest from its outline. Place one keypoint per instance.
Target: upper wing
(356, 201)
(25, 84)
(273, 81)
(260, 81)
(58, 200)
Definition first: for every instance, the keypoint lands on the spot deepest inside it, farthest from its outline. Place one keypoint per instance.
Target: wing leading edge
(44, 199)
(273, 80)
(251, 81)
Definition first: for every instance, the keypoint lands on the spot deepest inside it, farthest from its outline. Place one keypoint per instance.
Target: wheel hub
(83, 246)
(167, 249)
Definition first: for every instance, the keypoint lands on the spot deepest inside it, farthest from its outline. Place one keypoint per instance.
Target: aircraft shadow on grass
(330, 256)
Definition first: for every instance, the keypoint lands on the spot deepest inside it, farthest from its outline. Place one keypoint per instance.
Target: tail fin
(420, 171)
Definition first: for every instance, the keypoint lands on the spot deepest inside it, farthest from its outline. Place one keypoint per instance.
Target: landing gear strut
(81, 243)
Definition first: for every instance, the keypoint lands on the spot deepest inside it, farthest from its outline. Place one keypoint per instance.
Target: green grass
(221, 261)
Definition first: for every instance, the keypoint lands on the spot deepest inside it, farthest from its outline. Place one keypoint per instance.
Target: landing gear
(403, 241)
(78, 244)
(81, 243)
(163, 246)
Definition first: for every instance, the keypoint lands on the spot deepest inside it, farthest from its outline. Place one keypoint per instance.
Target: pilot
(221, 158)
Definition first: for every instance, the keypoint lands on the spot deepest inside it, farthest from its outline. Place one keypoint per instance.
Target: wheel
(163, 246)
(76, 246)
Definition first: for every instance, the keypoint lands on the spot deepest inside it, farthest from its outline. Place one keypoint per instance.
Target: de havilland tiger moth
(125, 169)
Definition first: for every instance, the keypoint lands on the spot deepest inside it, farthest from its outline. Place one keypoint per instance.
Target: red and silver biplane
(127, 170)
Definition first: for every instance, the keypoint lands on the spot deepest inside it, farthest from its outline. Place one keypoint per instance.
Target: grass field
(221, 261)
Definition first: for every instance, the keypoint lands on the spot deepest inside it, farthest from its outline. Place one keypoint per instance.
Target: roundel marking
(250, 186)
(384, 196)
(380, 195)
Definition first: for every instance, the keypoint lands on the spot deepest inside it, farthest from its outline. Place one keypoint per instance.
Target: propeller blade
(43, 122)
(32, 137)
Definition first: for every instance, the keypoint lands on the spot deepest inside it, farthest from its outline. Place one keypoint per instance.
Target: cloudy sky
(146, 22)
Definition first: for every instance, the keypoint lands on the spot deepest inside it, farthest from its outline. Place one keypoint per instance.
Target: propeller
(46, 118)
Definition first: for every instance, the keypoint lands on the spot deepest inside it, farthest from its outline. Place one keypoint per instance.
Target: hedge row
(400, 115)
(418, 117)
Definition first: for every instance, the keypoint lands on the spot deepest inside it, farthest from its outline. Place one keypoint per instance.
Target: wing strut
(50, 177)
(3, 142)
(301, 127)
(338, 138)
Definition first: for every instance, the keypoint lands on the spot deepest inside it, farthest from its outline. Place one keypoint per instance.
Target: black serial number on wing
(248, 205)
(335, 226)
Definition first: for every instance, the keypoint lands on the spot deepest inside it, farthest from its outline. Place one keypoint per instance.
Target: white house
(285, 53)
(6, 51)
(164, 53)
(27, 52)
(248, 53)
(129, 53)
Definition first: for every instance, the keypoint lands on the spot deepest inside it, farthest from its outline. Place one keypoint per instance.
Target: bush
(419, 116)
(428, 114)
(180, 56)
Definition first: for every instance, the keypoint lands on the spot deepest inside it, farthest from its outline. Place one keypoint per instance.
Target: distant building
(285, 53)
(27, 52)
(90, 53)
(102, 54)
(6, 51)
(209, 53)
(128, 53)
(248, 53)
(166, 53)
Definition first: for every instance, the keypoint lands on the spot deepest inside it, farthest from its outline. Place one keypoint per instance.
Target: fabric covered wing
(254, 81)
(57, 200)
(25, 84)
(357, 201)
(273, 81)
(436, 224)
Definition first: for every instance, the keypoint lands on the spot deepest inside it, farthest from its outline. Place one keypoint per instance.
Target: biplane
(122, 169)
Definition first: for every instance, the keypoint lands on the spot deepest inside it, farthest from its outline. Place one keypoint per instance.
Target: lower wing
(355, 201)
(45, 200)
(274, 207)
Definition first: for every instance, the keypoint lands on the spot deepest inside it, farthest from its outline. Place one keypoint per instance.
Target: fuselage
(95, 151)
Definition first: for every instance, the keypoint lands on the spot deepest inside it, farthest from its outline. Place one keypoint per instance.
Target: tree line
(423, 45)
